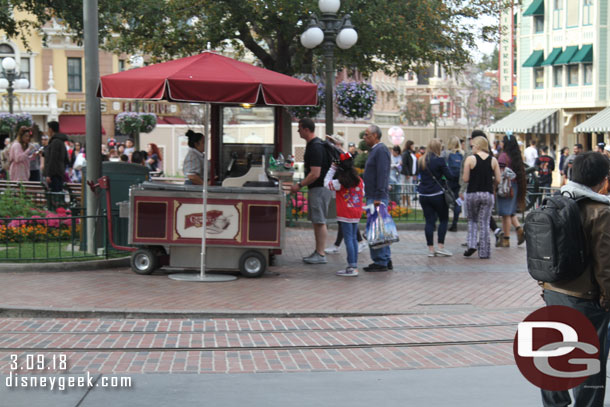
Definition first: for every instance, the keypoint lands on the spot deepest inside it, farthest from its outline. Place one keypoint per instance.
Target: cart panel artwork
(177, 220)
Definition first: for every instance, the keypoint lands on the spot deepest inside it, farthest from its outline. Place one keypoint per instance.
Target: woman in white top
(194, 160)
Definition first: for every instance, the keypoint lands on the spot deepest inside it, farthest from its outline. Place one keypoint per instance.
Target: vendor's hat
(337, 139)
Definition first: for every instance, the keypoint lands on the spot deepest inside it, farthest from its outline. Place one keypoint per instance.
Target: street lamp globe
(347, 38)
(22, 83)
(329, 6)
(312, 37)
(9, 64)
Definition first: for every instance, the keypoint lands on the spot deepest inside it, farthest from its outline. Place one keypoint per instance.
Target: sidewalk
(418, 284)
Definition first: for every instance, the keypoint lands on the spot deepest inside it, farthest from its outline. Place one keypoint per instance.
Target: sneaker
(315, 258)
(469, 252)
(332, 250)
(499, 237)
(362, 246)
(306, 257)
(348, 272)
(453, 228)
(431, 254)
(390, 265)
(443, 252)
(375, 267)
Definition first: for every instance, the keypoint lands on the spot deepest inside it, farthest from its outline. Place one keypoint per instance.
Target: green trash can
(122, 176)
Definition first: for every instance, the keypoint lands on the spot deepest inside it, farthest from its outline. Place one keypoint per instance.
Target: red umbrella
(208, 78)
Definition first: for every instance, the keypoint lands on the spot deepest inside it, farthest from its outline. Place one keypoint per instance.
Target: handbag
(447, 193)
(380, 228)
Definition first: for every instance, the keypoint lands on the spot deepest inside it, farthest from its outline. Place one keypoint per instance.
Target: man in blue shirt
(376, 189)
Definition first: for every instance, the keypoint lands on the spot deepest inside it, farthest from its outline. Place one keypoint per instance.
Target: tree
(394, 35)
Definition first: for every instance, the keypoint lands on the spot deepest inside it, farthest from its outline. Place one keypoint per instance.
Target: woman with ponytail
(194, 160)
(514, 201)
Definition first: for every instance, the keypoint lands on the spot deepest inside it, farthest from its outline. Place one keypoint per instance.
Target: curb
(101, 313)
(65, 266)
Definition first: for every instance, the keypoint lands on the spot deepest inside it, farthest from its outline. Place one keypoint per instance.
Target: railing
(52, 238)
(32, 101)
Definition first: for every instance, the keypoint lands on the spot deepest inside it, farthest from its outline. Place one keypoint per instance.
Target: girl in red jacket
(349, 189)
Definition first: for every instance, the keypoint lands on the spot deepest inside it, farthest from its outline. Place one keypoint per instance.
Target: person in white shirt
(531, 154)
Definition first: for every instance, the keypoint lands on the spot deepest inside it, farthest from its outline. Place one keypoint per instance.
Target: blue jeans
(351, 243)
(434, 208)
(382, 255)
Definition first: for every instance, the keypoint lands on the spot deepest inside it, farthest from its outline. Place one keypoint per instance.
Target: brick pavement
(263, 345)
(418, 284)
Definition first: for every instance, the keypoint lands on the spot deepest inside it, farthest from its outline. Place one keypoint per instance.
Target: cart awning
(600, 123)
(74, 124)
(543, 121)
(209, 78)
(170, 120)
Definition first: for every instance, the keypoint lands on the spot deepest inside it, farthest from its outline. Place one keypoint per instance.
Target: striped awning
(600, 123)
(539, 121)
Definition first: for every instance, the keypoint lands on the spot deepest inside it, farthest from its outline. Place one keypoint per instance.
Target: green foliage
(394, 35)
(360, 160)
(149, 122)
(16, 202)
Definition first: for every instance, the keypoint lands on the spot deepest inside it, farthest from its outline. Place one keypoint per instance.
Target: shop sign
(506, 55)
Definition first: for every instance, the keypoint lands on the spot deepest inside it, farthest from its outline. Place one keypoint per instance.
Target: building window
(24, 70)
(588, 74)
(538, 24)
(572, 13)
(75, 75)
(538, 78)
(587, 10)
(558, 76)
(121, 65)
(557, 13)
(573, 75)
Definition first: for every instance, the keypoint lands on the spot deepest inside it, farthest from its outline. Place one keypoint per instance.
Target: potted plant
(149, 122)
(23, 119)
(355, 99)
(129, 122)
(7, 123)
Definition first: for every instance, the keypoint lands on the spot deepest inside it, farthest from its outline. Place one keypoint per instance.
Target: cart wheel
(143, 261)
(252, 264)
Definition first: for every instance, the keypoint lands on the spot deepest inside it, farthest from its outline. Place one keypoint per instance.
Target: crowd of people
(489, 176)
(54, 159)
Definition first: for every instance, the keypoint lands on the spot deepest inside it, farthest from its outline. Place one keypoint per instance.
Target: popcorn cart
(243, 225)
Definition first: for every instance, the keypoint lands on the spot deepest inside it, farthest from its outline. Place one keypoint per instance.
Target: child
(350, 196)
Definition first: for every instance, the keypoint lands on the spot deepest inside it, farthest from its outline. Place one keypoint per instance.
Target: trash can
(122, 176)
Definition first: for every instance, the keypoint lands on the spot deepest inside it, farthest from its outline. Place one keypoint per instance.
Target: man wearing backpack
(317, 163)
(588, 292)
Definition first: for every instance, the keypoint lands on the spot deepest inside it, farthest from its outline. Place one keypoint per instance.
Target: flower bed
(50, 226)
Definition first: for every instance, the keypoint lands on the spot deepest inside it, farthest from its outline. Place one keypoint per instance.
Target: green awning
(534, 60)
(535, 9)
(585, 54)
(566, 56)
(552, 57)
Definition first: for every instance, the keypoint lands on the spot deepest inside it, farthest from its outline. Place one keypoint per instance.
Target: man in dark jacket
(590, 292)
(376, 179)
(56, 158)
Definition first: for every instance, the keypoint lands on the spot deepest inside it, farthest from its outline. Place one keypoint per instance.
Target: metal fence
(51, 238)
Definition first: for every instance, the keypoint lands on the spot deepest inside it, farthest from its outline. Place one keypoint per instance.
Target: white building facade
(562, 71)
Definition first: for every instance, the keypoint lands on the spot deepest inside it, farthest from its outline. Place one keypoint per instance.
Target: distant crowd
(54, 159)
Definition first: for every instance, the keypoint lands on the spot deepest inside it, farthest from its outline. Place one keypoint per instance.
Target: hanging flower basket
(23, 119)
(7, 123)
(355, 99)
(129, 122)
(302, 112)
(149, 122)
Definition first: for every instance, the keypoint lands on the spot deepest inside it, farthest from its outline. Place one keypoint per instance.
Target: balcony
(35, 102)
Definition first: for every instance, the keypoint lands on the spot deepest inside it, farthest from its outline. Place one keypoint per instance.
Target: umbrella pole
(203, 277)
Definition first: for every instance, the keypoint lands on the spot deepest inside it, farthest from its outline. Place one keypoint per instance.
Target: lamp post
(434, 108)
(328, 30)
(11, 80)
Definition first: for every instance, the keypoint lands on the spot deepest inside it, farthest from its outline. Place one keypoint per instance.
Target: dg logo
(556, 348)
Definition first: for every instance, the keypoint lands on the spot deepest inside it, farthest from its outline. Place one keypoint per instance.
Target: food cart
(244, 224)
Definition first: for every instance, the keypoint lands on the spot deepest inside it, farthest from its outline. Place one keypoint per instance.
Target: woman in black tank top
(482, 173)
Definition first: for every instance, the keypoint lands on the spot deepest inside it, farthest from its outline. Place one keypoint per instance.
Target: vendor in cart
(194, 160)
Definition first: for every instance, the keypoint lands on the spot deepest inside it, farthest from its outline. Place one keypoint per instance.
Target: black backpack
(332, 152)
(555, 240)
